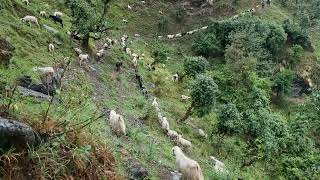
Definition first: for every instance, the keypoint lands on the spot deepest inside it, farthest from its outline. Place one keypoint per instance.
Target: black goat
(57, 19)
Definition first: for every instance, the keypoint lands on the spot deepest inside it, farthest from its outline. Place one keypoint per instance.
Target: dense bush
(207, 45)
(229, 119)
(160, 53)
(163, 24)
(282, 82)
(195, 65)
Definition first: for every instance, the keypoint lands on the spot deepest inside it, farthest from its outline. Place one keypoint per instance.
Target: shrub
(163, 24)
(195, 65)
(207, 45)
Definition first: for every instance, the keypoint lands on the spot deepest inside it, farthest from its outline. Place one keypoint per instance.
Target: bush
(163, 24)
(195, 65)
(282, 82)
(207, 45)
(180, 14)
(229, 119)
(160, 53)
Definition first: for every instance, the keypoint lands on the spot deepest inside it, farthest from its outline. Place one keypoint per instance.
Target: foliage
(229, 119)
(207, 45)
(195, 65)
(203, 94)
(294, 55)
(282, 82)
(163, 24)
(160, 53)
(180, 14)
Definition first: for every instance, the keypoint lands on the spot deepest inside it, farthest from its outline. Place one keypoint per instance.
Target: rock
(6, 52)
(50, 29)
(29, 92)
(138, 173)
(17, 135)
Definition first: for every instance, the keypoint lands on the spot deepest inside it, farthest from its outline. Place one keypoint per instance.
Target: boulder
(6, 52)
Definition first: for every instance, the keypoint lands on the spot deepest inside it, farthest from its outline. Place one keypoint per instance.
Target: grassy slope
(145, 142)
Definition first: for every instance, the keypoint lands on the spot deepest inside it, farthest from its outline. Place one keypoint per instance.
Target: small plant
(163, 24)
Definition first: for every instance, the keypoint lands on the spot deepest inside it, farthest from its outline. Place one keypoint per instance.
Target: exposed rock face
(6, 52)
(16, 134)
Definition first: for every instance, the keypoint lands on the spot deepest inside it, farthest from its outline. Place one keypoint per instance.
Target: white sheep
(155, 103)
(178, 35)
(204, 28)
(160, 37)
(46, 74)
(100, 53)
(189, 168)
(135, 61)
(129, 7)
(185, 98)
(165, 124)
(183, 142)
(218, 165)
(26, 2)
(83, 58)
(202, 133)
(78, 51)
(173, 135)
(51, 48)
(117, 123)
(128, 51)
(159, 117)
(210, 2)
(190, 32)
(57, 13)
(160, 12)
(170, 36)
(30, 19)
(137, 35)
(175, 77)
(43, 14)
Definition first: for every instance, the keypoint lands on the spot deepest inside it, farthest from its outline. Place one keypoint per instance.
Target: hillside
(250, 81)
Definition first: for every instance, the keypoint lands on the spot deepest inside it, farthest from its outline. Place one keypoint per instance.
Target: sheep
(183, 142)
(190, 32)
(58, 14)
(155, 103)
(173, 135)
(135, 55)
(78, 51)
(44, 70)
(202, 133)
(100, 53)
(46, 74)
(185, 98)
(135, 61)
(26, 2)
(165, 124)
(83, 57)
(218, 165)
(160, 12)
(128, 51)
(117, 123)
(136, 35)
(170, 36)
(175, 77)
(160, 37)
(159, 117)
(43, 14)
(178, 35)
(129, 7)
(189, 168)
(204, 28)
(57, 19)
(51, 48)
(210, 2)
(30, 19)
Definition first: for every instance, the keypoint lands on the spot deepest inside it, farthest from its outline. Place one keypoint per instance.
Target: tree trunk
(188, 113)
(85, 41)
(17, 135)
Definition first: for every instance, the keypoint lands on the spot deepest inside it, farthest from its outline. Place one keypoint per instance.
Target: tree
(282, 82)
(229, 119)
(160, 53)
(203, 96)
(195, 65)
(207, 45)
(89, 18)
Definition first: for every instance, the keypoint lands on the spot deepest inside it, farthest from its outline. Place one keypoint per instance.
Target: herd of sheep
(189, 169)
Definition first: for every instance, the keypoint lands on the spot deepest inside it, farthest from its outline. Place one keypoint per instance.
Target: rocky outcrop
(17, 135)
(6, 52)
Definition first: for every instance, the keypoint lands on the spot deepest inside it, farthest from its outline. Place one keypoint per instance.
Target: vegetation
(246, 78)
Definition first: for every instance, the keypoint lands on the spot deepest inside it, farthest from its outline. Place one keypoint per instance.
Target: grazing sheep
(26, 2)
(170, 36)
(57, 13)
(183, 142)
(185, 98)
(159, 117)
(175, 77)
(44, 70)
(204, 28)
(129, 7)
(155, 103)
(190, 32)
(210, 2)
(46, 74)
(173, 135)
(189, 168)
(43, 14)
(57, 19)
(30, 19)
(165, 124)
(160, 37)
(78, 51)
(83, 57)
(202, 133)
(51, 48)
(117, 123)
(136, 35)
(100, 53)
(160, 12)
(135, 61)
(128, 51)
(178, 35)
(218, 165)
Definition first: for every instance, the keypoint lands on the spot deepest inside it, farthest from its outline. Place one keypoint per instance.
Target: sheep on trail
(58, 14)
(170, 36)
(83, 58)
(173, 135)
(202, 133)
(135, 61)
(218, 165)
(57, 19)
(46, 74)
(26, 2)
(78, 51)
(175, 77)
(185, 98)
(155, 103)
(165, 124)
(43, 14)
(117, 123)
(189, 168)
(30, 19)
(129, 7)
(183, 142)
(178, 35)
(51, 48)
